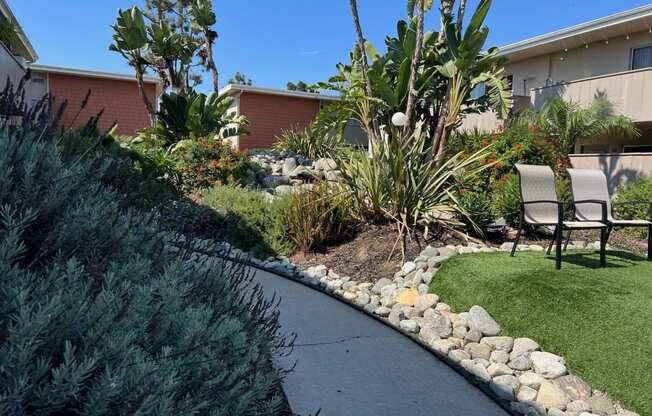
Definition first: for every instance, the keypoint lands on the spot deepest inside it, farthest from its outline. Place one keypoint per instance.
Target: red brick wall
(119, 99)
(270, 114)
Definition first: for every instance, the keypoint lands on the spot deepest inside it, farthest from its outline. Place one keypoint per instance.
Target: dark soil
(368, 256)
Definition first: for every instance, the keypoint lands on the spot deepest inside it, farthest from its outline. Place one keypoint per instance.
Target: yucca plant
(401, 183)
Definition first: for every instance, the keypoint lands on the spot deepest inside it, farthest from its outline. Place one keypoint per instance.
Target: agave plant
(196, 116)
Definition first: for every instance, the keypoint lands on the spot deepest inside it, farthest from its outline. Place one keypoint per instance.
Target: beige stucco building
(611, 56)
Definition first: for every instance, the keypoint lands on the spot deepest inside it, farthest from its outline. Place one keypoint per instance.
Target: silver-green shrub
(103, 313)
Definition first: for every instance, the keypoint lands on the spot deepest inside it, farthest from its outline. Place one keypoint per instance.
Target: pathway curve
(348, 363)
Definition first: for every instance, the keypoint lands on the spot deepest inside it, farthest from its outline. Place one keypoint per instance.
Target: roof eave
(29, 50)
(238, 88)
(91, 74)
(577, 30)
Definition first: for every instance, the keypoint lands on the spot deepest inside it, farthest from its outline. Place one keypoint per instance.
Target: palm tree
(565, 123)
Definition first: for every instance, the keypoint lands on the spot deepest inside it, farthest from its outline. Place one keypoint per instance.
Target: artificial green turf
(600, 320)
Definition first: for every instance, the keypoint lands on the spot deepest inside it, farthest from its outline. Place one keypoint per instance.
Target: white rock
(526, 394)
(408, 267)
(504, 386)
(496, 369)
(522, 345)
(531, 379)
(480, 319)
(500, 357)
(458, 355)
(499, 343)
(409, 325)
(476, 369)
(548, 365)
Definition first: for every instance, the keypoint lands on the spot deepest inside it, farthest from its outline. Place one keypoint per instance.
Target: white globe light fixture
(399, 119)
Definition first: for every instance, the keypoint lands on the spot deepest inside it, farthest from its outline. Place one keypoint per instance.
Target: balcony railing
(630, 92)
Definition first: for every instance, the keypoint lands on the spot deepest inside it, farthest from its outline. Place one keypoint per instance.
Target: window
(595, 148)
(637, 148)
(642, 57)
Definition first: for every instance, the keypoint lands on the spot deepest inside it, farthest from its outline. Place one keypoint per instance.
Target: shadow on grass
(615, 259)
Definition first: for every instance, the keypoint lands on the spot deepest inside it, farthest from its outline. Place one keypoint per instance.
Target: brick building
(116, 94)
(271, 111)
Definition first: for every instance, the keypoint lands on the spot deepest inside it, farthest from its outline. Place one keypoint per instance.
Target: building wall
(270, 114)
(119, 99)
(599, 58)
(9, 67)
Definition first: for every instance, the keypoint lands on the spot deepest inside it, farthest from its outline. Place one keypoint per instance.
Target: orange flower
(518, 146)
(215, 164)
(462, 190)
(485, 142)
(499, 165)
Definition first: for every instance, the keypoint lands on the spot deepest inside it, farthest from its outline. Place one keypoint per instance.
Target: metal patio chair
(592, 183)
(540, 207)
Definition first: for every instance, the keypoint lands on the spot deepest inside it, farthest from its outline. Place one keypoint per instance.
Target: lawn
(600, 320)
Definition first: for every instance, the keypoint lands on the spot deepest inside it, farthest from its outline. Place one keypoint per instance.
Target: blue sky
(273, 42)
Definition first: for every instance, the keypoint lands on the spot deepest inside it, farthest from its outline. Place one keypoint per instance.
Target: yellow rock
(408, 297)
(550, 395)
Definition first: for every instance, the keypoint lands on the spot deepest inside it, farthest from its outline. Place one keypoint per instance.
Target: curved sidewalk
(350, 364)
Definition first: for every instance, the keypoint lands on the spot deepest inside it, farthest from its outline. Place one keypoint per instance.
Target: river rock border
(522, 377)
(515, 371)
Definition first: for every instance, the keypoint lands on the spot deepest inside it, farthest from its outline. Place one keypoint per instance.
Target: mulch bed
(368, 256)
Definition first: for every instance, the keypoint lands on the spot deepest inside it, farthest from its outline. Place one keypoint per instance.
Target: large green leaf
(477, 20)
(403, 80)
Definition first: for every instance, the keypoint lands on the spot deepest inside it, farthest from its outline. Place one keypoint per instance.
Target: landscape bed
(598, 319)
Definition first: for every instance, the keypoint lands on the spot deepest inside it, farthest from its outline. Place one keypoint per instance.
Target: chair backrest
(589, 184)
(538, 184)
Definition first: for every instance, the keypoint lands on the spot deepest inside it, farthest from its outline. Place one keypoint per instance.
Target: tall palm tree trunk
(412, 92)
(365, 68)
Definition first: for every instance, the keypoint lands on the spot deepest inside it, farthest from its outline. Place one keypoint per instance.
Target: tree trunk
(460, 14)
(414, 65)
(141, 89)
(446, 15)
(365, 66)
(210, 61)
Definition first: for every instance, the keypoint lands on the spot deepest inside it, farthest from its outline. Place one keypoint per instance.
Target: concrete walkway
(349, 364)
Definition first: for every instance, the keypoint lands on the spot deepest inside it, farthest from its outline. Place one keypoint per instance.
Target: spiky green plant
(400, 182)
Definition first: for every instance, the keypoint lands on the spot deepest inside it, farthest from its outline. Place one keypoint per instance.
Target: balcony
(10, 67)
(630, 92)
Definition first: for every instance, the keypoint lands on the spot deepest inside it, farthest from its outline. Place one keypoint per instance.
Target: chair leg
(518, 237)
(570, 232)
(552, 241)
(649, 243)
(603, 247)
(558, 238)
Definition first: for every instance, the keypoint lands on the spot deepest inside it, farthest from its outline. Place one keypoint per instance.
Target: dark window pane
(642, 58)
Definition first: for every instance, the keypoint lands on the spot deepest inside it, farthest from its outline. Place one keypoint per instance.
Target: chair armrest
(649, 203)
(603, 205)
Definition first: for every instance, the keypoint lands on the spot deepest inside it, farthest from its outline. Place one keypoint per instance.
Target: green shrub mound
(638, 190)
(101, 315)
(250, 221)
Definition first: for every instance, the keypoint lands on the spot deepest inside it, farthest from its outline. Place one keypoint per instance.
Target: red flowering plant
(509, 145)
(211, 162)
